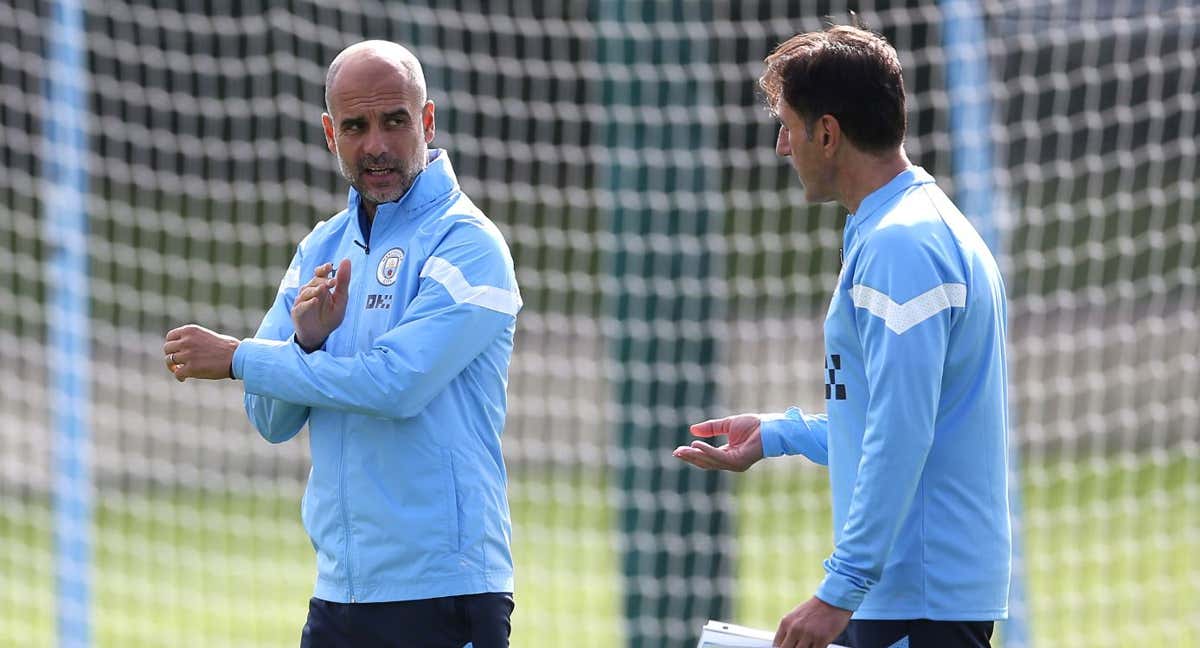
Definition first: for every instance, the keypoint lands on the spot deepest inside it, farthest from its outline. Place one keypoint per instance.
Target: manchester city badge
(389, 266)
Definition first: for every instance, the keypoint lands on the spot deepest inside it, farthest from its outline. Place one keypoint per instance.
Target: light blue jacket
(916, 423)
(406, 401)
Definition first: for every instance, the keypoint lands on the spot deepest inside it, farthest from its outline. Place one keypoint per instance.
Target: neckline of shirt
(871, 206)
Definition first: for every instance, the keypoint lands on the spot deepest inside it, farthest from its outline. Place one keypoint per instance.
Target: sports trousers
(916, 633)
(447, 622)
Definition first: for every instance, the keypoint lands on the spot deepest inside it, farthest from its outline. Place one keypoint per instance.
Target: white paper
(718, 634)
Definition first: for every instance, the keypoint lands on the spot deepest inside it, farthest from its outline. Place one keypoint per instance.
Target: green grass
(172, 570)
(1113, 551)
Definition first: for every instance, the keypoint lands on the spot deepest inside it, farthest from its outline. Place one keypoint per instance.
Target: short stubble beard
(408, 175)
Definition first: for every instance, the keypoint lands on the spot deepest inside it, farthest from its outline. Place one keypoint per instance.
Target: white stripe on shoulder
(461, 291)
(291, 279)
(901, 317)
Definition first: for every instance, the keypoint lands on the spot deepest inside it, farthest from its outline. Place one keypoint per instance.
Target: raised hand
(321, 305)
(193, 351)
(743, 450)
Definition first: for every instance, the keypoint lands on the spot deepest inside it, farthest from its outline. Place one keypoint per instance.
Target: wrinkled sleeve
(467, 297)
(903, 295)
(275, 419)
(795, 433)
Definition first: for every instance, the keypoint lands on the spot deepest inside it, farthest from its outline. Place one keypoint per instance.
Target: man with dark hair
(400, 372)
(915, 429)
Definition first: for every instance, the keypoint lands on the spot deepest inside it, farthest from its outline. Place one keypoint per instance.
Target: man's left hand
(193, 351)
(813, 624)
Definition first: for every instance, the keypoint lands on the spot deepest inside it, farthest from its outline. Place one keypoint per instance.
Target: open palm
(743, 450)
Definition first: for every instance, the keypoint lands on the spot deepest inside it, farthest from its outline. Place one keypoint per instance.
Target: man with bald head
(385, 79)
(395, 352)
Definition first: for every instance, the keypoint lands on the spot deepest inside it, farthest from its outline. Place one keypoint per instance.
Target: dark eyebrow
(399, 112)
(361, 121)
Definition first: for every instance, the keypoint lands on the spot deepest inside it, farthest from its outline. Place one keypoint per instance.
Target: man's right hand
(743, 450)
(321, 305)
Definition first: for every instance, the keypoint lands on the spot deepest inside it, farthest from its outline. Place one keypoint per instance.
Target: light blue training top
(915, 430)
(406, 401)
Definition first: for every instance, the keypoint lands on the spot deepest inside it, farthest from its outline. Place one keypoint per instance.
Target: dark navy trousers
(916, 633)
(448, 622)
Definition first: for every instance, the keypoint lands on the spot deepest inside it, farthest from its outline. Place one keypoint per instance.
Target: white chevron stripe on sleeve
(901, 317)
(461, 291)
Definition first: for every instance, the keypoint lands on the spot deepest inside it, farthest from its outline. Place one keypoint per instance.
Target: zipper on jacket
(345, 506)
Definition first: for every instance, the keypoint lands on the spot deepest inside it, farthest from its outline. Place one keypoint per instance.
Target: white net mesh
(575, 126)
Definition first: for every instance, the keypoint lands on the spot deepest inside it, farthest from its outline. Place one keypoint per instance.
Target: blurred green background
(601, 135)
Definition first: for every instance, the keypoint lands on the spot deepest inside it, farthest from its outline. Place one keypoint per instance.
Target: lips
(381, 177)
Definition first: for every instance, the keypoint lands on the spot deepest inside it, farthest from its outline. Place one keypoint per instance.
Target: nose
(374, 143)
(783, 144)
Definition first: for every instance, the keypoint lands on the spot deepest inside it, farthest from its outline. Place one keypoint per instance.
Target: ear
(327, 124)
(429, 121)
(830, 133)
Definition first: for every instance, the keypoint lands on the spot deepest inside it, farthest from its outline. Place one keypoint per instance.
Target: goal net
(671, 272)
